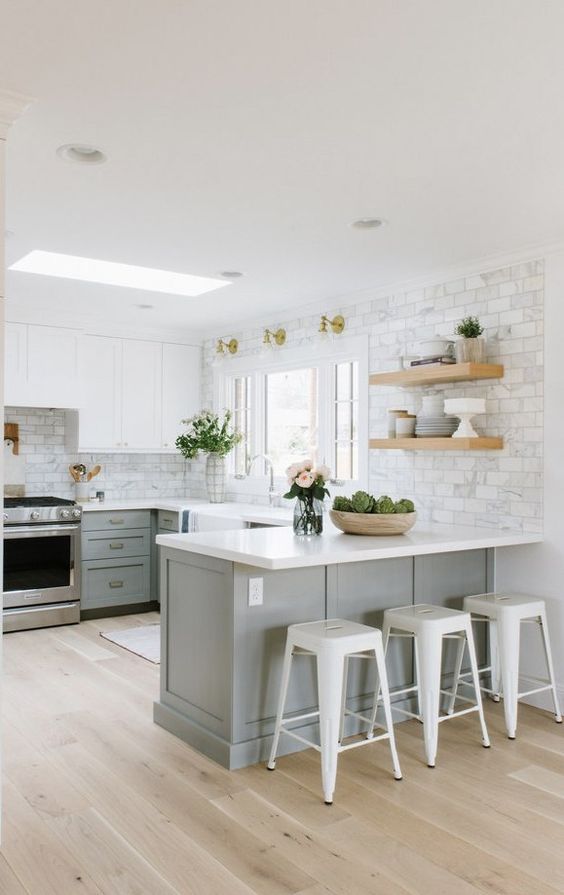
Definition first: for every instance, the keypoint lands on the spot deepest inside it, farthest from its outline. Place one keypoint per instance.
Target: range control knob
(34, 514)
(76, 514)
(65, 514)
(5, 517)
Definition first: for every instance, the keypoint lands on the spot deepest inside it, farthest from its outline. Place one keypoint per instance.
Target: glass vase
(308, 516)
(215, 478)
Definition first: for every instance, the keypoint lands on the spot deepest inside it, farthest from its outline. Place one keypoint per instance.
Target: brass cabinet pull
(116, 521)
(116, 546)
(116, 583)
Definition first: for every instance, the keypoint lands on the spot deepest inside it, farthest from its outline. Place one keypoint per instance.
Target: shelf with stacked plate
(441, 425)
(437, 374)
(481, 443)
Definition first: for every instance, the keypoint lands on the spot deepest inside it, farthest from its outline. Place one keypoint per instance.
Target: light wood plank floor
(97, 799)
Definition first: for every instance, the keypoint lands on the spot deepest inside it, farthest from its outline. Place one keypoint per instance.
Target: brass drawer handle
(168, 520)
(116, 583)
(116, 521)
(116, 546)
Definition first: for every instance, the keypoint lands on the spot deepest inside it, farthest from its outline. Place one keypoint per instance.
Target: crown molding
(12, 106)
(338, 304)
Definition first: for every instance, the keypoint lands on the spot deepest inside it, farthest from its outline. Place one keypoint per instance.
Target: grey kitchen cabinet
(118, 559)
(127, 542)
(115, 520)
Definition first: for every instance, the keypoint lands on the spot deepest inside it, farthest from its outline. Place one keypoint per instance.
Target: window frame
(325, 357)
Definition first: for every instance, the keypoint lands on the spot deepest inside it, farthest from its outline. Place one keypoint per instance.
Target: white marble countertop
(172, 504)
(279, 548)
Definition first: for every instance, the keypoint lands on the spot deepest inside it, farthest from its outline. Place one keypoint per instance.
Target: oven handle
(31, 531)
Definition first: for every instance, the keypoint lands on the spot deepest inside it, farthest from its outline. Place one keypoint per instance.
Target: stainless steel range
(41, 562)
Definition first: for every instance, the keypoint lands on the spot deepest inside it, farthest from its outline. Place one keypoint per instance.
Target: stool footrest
(300, 739)
(536, 690)
(473, 708)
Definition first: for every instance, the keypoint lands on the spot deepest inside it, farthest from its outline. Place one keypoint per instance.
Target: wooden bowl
(373, 523)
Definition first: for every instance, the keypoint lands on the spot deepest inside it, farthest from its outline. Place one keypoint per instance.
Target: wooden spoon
(75, 475)
(94, 471)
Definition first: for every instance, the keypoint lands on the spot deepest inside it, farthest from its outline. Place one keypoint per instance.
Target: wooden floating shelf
(436, 444)
(432, 375)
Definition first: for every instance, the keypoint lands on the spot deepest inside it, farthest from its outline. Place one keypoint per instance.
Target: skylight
(110, 273)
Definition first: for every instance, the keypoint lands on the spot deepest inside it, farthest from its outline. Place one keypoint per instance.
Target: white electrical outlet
(255, 591)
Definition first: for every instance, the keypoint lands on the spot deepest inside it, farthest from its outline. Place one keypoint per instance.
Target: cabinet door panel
(53, 366)
(181, 389)
(16, 392)
(142, 394)
(100, 411)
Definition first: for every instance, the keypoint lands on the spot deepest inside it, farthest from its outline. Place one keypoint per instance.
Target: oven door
(41, 564)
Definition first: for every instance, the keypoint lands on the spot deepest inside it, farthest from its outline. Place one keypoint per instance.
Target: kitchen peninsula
(221, 656)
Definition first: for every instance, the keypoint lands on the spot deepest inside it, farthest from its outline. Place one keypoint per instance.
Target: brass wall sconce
(278, 337)
(337, 324)
(222, 348)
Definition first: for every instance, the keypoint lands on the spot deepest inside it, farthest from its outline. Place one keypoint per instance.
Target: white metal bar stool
(504, 613)
(429, 625)
(332, 642)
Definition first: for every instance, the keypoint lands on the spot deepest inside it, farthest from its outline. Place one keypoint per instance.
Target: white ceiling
(248, 135)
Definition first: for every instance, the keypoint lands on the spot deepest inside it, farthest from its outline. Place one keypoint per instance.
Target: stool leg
(495, 672)
(476, 682)
(385, 641)
(383, 676)
(509, 639)
(330, 670)
(344, 699)
(286, 667)
(457, 670)
(549, 665)
(430, 647)
(417, 679)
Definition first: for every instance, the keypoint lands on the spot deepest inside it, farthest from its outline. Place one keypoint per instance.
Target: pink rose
(292, 472)
(323, 471)
(305, 479)
(305, 465)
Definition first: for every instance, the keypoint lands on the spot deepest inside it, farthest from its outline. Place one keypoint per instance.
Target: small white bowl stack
(431, 419)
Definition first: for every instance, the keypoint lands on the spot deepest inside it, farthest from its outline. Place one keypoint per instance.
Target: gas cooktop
(46, 510)
(38, 502)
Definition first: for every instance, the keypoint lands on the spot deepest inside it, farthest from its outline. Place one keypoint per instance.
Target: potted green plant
(470, 348)
(210, 434)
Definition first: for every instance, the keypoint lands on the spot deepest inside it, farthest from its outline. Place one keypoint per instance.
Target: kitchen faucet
(272, 495)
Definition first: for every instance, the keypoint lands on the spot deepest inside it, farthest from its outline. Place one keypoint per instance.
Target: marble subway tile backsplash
(47, 461)
(494, 489)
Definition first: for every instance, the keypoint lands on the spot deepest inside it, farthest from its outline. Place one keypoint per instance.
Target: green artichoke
(404, 506)
(385, 504)
(362, 502)
(343, 505)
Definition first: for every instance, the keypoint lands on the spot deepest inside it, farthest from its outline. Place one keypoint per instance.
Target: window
(310, 401)
(291, 431)
(241, 407)
(345, 450)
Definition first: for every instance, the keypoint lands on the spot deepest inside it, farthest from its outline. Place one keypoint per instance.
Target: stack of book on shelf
(435, 359)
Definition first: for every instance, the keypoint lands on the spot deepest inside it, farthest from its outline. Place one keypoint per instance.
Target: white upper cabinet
(16, 385)
(141, 394)
(130, 393)
(181, 389)
(42, 366)
(99, 418)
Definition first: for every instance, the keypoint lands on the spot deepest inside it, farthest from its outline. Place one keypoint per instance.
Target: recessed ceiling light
(145, 307)
(231, 274)
(110, 273)
(368, 223)
(82, 154)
